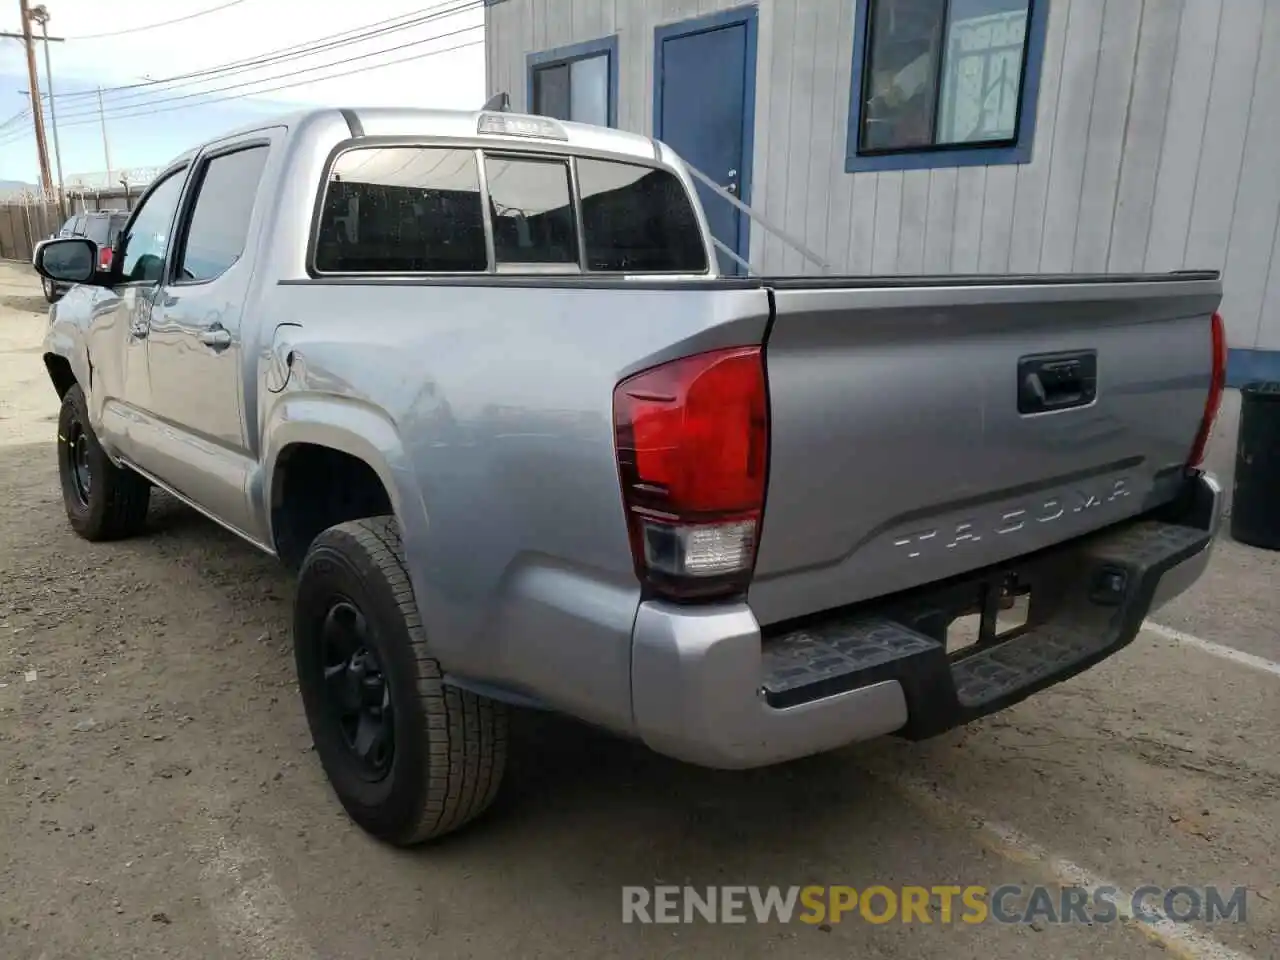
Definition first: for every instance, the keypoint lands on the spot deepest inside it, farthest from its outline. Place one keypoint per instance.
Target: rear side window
(531, 204)
(219, 225)
(402, 210)
(116, 225)
(96, 229)
(637, 219)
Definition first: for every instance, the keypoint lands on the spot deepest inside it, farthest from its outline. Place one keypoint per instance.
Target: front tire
(410, 758)
(103, 501)
(50, 291)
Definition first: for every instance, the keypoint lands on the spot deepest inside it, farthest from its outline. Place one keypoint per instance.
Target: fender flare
(69, 345)
(348, 426)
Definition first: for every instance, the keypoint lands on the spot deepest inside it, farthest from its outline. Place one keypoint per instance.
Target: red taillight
(692, 438)
(104, 258)
(1217, 384)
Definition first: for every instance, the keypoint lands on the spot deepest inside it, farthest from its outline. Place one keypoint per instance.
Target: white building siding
(1157, 143)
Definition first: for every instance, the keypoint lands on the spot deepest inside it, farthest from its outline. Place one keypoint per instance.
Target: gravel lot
(160, 796)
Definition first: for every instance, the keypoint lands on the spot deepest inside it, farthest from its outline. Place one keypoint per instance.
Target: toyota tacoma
(478, 378)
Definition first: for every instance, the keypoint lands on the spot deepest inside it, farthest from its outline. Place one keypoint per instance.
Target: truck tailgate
(925, 427)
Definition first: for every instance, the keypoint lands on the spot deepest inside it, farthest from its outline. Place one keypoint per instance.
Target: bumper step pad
(1000, 670)
(1089, 600)
(799, 666)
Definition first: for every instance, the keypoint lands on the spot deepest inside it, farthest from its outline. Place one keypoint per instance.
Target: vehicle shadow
(565, 775)
(559, 765)
(581, 814)
(29, 304)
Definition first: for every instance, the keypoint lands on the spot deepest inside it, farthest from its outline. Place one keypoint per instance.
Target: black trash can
(1255, 499)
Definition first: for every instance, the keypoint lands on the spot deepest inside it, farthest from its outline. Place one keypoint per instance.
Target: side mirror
(68, 260)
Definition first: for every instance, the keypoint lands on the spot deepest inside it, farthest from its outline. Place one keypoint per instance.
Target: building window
(577, 83)
(940, 83)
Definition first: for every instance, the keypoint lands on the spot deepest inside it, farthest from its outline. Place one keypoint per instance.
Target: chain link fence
(135, 177)
(31, 216)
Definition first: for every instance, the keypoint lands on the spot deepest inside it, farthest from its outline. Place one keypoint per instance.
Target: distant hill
(8, 187)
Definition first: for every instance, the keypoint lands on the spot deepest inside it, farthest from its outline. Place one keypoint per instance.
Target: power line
(284, 86)
(293, 51)
(162, 23)
(389, 25)
(248, 83)
(299, 83)
(18, 117)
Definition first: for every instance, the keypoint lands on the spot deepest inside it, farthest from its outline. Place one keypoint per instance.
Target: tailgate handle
(1057, 381)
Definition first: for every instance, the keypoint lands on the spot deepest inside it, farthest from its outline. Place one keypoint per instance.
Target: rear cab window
(440, 210)
(98, 230)
(531, 208)
(402, 210)
(104, 229)
(637, 219)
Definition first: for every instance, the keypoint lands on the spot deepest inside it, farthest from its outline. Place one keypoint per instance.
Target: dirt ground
(160, 797)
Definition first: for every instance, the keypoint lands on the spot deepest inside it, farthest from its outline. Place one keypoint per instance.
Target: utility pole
(37, 110)
(40, 14)
(106, 150)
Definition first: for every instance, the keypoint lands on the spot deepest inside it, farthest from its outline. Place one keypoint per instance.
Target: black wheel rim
(356, 689)
(77, 454)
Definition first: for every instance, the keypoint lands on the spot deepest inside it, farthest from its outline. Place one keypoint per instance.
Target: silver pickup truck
(477, 377)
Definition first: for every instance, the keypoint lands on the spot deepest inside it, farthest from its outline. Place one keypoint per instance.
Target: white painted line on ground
(1216, 649)
(1180, 940)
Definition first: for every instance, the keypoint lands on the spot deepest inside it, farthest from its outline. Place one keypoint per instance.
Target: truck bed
(922, 427)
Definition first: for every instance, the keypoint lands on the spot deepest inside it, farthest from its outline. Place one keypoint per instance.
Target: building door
(704, 108)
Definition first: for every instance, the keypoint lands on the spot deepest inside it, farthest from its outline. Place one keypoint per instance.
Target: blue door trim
(576, 51)
(725, 18)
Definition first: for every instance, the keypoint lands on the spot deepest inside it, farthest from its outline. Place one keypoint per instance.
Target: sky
(142, 131)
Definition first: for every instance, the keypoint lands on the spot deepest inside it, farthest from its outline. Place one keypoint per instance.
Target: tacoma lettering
(1012, 521)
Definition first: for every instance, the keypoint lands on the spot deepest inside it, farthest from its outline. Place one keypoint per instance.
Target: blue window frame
(944, 83)
(577, 83)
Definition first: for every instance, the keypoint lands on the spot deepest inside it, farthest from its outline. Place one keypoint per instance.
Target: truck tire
(103, 501)
(410, 758)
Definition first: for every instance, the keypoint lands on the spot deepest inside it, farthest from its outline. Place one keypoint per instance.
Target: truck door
(195, 347)
(121, 383)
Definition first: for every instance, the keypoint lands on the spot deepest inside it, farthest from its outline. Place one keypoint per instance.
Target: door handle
(216, 337)
(1057, 381)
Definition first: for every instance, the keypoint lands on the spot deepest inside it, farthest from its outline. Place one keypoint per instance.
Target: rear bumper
(709, 688)
(1202, 512)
